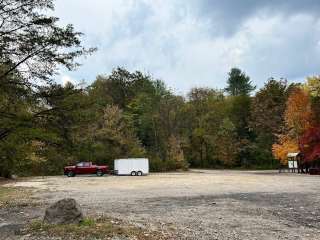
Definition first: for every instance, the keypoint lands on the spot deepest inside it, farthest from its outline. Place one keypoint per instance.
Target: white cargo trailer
(131, 166)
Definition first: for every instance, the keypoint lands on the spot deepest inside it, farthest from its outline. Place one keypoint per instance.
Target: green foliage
(227, 146)
(88, 222)
(107, 137)
(267, 118)
(207, 129)
(35, 44)
(33, 109)
(204, 112)
(175, 153)
(239, 83)
(45, 126)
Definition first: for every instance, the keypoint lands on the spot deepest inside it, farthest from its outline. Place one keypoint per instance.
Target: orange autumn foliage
(298, 119)
(298, 114)
(286, 145)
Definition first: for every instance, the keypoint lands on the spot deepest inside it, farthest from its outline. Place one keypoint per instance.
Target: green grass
(89, 222)
(90, 228)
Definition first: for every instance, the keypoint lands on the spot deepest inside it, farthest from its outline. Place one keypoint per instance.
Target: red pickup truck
(85, 168)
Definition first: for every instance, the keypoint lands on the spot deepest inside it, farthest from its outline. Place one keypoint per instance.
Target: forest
(45, 125)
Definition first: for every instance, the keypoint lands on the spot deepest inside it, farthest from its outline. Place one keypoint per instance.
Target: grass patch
(88, 222)
(14, 197)
(102, 228)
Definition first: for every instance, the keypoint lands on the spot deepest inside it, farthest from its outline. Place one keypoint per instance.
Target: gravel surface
(200, 204)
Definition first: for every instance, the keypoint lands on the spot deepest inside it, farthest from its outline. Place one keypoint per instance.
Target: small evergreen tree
(239, 83)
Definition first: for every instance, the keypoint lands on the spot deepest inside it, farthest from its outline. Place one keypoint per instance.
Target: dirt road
(198, 204)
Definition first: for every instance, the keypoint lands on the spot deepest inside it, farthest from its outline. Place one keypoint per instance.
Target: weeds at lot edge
(14, 197)
(89, 228)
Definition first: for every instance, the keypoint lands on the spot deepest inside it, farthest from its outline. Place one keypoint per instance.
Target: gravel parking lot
(200, 204)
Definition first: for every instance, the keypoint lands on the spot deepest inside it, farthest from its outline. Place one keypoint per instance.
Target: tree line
(301, 125)
(45, 126)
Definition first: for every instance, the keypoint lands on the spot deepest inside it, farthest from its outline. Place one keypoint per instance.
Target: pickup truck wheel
(70, 174)
(139, 173)
(99, 173)
(133, 173)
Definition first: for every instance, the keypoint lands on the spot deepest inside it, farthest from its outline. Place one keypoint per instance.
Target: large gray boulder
(65, 211)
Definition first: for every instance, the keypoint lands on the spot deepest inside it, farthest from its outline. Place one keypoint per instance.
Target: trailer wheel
(70, 174)
(139, 173)
(99, 173)
(133, 173)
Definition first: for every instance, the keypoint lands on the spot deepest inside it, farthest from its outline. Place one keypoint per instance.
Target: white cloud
(67, 79)
(172, 41)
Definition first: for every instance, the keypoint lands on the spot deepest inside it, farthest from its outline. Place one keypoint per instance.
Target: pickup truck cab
(85, 168)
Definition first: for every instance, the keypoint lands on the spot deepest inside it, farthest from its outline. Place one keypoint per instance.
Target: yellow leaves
(313, 86)
(286, 145)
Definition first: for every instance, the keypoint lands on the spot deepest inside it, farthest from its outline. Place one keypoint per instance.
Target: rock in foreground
(65, 211)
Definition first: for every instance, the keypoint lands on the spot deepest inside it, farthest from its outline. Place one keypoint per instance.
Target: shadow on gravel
(10, 230)
(302, 209)
(299, 209)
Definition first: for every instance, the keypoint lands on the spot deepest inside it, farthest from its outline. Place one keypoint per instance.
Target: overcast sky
(189, 43)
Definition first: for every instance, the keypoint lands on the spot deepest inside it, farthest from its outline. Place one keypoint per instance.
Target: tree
(121, 87)
(33, 43)
(204, 113)
(38, 138)
(298, 115)
(313, 88)
(298, 119)
(227, 145)
(32, 47)
(309, 144)
(146, 102)
(268, 107)
(107, 137)
(239, 114)
(175, 153)
(239, 88)
(267, 118)
(239, 83)
(285, 145)
(309, 141)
